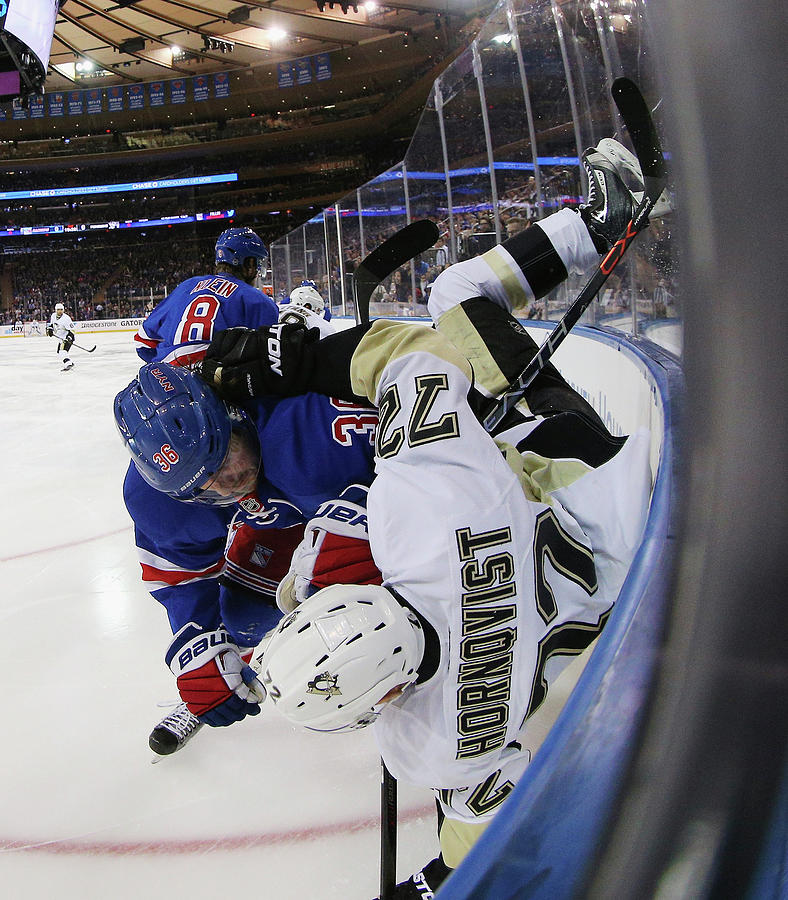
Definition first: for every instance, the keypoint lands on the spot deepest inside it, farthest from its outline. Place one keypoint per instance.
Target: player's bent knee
(457, 838)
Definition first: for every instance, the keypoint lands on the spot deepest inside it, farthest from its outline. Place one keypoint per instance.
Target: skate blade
(662, 207)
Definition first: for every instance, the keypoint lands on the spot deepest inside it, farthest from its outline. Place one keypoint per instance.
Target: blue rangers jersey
(181, 326)
(313, 446)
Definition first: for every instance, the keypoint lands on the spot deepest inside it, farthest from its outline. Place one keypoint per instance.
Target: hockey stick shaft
(638, 120)
(80, 347)
(388, 833)
(399, 249)
(75, 344)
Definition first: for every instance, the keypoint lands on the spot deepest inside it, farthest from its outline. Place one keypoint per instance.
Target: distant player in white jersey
(305, 306)
(35, 327)
(61, 326)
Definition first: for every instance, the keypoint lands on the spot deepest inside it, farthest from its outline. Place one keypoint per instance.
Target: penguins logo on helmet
(288, 620)
(325, 684)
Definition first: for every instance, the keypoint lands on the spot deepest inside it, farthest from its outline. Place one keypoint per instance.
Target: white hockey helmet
(59, 307)
(335, 657)
(308, 296)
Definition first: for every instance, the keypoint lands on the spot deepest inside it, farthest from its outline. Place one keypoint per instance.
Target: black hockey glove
(69, 340)
(50, 329)
(283, 360)
(243, 363)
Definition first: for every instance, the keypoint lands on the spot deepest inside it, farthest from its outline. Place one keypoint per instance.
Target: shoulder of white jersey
(387, 342)
(291, 313)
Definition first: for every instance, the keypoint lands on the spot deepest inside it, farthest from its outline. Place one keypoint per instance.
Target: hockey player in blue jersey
(180, 327)
(179, 573)
(270, 467)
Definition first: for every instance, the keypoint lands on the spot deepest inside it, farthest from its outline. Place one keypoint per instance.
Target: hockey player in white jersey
(61, 326)
(497, 562)
(305, 306)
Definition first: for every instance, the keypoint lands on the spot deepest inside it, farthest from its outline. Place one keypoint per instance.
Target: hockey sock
(570, 240)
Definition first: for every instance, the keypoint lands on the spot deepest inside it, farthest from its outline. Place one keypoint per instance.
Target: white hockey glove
(214, 682)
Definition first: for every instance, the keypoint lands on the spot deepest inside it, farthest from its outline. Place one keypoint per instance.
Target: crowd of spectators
(95, 280)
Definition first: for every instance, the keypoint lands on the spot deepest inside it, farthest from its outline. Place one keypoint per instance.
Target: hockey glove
(69, 340)
(213, 680)
(335, 550)
(283, 360)
(243, 363)
(50, 330)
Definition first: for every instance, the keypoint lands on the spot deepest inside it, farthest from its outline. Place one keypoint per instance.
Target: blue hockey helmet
(181, 436)
(235, 245)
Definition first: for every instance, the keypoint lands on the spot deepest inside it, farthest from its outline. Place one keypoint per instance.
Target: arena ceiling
(100, 42)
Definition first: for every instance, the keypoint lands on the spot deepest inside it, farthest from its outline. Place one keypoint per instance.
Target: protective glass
(262, 271)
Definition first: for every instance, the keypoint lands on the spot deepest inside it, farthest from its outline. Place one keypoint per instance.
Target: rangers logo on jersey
(325, 684)
(261, 555)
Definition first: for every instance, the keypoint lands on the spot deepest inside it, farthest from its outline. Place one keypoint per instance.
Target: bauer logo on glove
(202, 645)
(214, 682)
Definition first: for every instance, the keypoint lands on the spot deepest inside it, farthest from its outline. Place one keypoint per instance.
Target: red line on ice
(202, 845)
(87, 540)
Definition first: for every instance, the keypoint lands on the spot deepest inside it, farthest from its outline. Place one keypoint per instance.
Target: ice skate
(627, 163)
(610, 203)
(174, 731)
(67, 365)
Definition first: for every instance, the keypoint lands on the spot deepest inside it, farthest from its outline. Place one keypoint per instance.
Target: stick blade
(637, 118)
(389, 256)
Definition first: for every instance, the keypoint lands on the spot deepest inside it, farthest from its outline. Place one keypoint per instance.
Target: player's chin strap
(641, 129)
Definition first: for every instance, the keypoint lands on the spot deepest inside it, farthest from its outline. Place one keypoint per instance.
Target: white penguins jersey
(291, 313)
(516, 573)
(61, 324)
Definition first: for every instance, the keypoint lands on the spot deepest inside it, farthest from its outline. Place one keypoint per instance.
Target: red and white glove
(214, 682)
(335, 550)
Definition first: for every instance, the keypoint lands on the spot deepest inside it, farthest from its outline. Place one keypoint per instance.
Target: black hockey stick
(388, 833)
(387, 258)
(640, 126)
(75, 344)
(80, 347)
